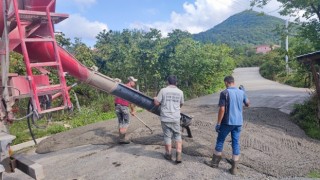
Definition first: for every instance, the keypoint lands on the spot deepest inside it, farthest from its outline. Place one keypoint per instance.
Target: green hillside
(245, 28)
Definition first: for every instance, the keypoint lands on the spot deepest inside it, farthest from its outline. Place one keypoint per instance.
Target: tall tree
(310, 11)
(62, 40)
(82, 52)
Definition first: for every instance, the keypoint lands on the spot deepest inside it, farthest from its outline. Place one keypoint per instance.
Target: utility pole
(287, 47)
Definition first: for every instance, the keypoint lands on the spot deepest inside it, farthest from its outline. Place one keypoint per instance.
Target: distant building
(263, 49)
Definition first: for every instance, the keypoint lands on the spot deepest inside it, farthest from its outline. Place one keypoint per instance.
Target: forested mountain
(245, 28)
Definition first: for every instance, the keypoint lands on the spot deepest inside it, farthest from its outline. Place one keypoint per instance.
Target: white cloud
(202, 15)
(272, 8)
(198, 16)
(78, 26)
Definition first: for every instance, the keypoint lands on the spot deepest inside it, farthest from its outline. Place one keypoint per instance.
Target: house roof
(307, 58)
(263, 45)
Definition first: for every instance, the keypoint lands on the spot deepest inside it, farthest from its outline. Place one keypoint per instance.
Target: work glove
(217, 128)
(241, 87)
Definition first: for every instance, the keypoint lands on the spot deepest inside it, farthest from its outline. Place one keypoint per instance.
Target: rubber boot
(122, 139)
(234, 167)
(168, 156)
(178, 157)
(214, 163)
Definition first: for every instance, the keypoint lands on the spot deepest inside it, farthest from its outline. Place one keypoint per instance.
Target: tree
(150, 47)
(62, 40)
(82, 53)
(310, 8)
(199, 67)
(311, 12)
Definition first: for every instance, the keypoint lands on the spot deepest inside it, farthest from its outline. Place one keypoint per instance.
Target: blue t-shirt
(232, 99)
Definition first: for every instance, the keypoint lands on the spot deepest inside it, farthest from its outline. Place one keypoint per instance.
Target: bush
(252, 61)
(305, 115)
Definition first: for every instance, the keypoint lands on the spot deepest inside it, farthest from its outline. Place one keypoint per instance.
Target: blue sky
(89, 17)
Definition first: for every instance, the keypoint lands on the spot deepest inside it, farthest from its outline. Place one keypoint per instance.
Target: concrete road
(135, 161)
(262, 92)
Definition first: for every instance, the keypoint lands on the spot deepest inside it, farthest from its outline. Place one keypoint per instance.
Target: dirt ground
(271, 144)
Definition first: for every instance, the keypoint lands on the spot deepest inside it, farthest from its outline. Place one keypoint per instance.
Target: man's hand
(217, 128)
(133, 113)
(155, 101)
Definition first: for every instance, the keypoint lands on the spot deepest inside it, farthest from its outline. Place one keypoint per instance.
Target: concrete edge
(27, 144)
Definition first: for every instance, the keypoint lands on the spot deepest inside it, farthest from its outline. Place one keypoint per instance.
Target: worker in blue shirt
(230, 120)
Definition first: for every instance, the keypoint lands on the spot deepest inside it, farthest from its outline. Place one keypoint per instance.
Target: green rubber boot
(234, 167)
(178, 157)
(122, 139)
(214, 163)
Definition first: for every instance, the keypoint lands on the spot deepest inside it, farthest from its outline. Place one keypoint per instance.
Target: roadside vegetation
(297, 75)
(305, 40)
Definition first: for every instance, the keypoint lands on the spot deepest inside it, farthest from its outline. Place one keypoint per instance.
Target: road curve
(262, 92)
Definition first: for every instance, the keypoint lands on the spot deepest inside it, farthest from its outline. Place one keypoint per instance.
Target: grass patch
(98, 108)
(66, 122)
(314, 174)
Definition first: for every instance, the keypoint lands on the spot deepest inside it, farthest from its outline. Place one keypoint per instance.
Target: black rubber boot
(178, 157)
(122, 139)
(168, 156)
(214, 163)
(234, 167)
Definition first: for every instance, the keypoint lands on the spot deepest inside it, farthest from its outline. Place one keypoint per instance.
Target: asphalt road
(262, 92)
(136, 161)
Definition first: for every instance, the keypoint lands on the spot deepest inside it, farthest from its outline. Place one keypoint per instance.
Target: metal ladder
(34, 19)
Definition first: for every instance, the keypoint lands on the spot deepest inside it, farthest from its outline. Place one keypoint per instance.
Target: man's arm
(132, 109)
(247, 102)
(182, 100)
(156, 102)
(220, 114)
(220, 117)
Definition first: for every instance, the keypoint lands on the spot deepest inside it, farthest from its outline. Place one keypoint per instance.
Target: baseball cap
(131, 78)
(117, 80)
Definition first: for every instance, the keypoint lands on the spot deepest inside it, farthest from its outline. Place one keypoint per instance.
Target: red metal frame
(63, 82)
(36, 91)
(26, 57)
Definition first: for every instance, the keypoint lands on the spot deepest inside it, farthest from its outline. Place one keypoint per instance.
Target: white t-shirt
(170, 98)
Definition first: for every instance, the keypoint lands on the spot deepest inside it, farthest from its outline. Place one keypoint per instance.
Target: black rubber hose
(29, 119)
